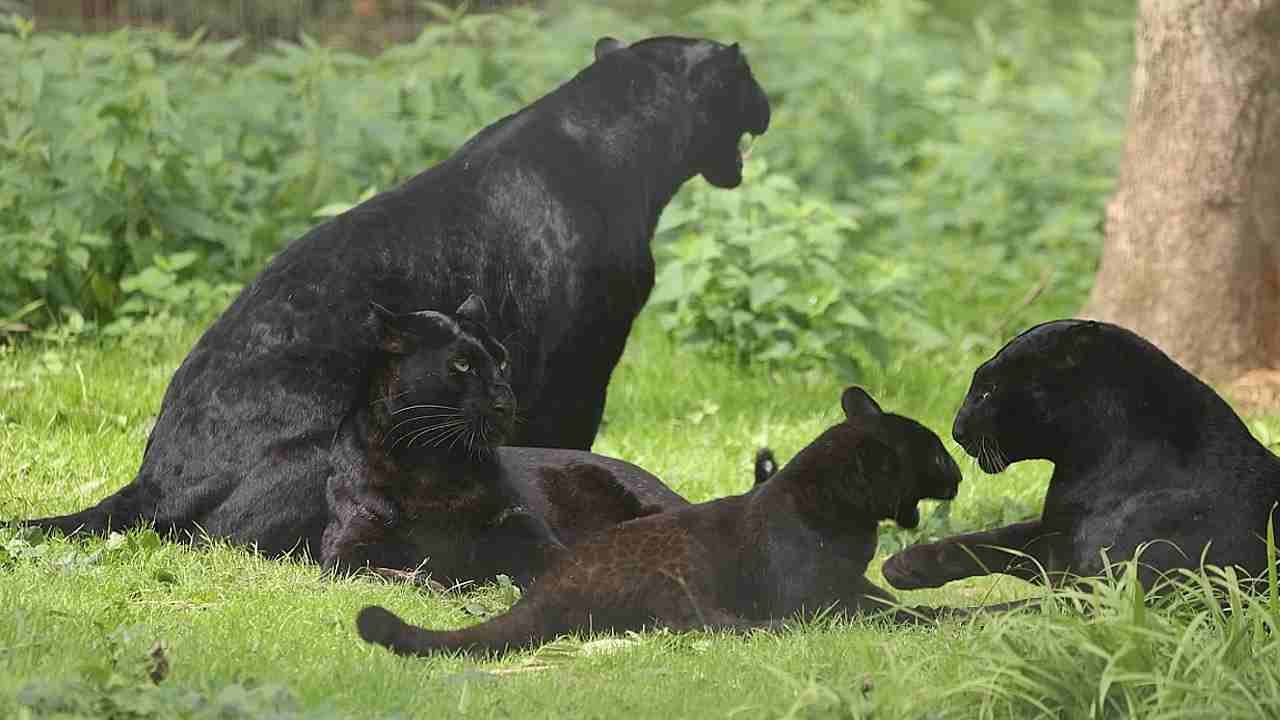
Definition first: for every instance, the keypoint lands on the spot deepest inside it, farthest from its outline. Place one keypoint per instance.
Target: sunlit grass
(74, 417)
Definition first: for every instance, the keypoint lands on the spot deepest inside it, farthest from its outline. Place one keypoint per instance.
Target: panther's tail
(766, 465)
(119, 511)
(516, 629)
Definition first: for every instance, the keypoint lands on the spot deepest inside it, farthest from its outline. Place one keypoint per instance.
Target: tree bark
(1191, 258)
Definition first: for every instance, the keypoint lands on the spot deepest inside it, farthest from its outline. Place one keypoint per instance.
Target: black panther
(797, 543)
(547, 213)
(1143, 451)
(418, 480)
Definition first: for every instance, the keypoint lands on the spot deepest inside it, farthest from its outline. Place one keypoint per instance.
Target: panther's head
(727, 100)
(444, 384)
(1069, 388)
(877, 465)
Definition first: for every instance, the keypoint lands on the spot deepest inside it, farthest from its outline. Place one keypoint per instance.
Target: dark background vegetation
(921, 152)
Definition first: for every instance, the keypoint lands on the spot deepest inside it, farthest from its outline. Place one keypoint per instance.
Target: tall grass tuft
(1193, 645)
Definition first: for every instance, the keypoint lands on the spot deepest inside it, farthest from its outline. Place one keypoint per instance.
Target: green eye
(461, 364)
(502, 366)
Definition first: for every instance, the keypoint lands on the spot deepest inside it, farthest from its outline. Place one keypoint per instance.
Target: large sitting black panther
(547, 213)
(1142, 451)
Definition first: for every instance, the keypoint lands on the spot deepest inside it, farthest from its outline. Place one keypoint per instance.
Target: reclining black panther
(547, 213)
(798, 543)
(1143, 451)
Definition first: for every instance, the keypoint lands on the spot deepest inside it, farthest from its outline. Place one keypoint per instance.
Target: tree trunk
(1192, 252)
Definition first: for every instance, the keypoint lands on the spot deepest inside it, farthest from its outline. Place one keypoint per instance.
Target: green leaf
(765, 290)
(181, 260)
(151, 281)
(852, 317)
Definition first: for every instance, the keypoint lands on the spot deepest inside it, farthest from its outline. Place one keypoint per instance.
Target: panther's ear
(1081, 341)
(857, 401)
(606, 45)
(473, 309)
(393, 337)
(401, 333)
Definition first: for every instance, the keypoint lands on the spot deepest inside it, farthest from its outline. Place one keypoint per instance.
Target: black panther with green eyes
(417, 478)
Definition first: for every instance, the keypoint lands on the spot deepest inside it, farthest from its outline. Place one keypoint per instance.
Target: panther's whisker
(432, 426)
(415, 434)
(451, 433)
(441, 428)
(421, 417)
(426, 405)
(984, 457)
(442, 436)
(1001, 457)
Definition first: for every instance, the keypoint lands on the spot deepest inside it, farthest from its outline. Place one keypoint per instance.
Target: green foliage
(74, 418)
(977, 143)
(765, 272)
(114, 695)
(917, 154)
(146, 172)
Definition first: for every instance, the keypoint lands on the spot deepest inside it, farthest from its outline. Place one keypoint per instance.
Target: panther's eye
(461, 364)
(502, 366)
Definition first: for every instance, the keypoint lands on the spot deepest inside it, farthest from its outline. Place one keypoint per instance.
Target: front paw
(911, 570)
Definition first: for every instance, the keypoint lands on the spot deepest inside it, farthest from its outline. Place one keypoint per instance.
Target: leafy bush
(766, 272)
(977, 139)
(146, 172)
(920, 152)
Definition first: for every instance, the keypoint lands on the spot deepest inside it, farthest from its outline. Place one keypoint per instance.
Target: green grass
(243, 634)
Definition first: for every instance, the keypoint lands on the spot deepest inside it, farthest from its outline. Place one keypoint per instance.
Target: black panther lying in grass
(1142, 451)
(418, 478)
(547, 213)
(799, 543)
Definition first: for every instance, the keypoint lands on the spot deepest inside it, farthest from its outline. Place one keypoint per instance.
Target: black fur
(1142, 451)
(799, 543)
(418, 477)
(548, 213)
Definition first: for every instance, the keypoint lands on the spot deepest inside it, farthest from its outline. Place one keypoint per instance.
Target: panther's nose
(505, 403)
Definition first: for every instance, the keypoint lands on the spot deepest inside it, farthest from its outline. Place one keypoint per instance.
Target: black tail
(120, 511)
(766, 465)
(516, 629)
